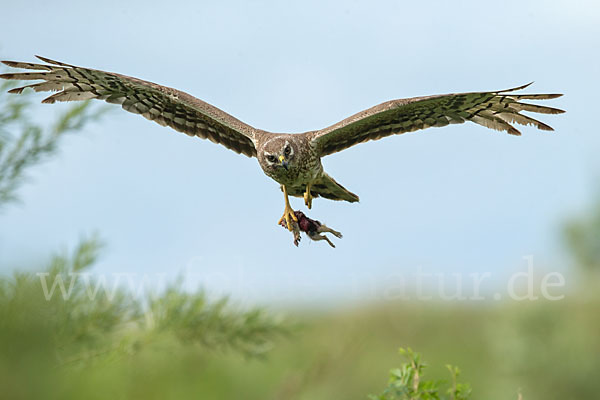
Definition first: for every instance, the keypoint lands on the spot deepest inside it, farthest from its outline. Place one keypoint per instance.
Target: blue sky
(456, 199)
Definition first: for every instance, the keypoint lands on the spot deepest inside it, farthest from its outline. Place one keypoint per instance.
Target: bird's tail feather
(327, 187)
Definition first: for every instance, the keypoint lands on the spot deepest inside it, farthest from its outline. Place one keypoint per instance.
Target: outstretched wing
(164, 105)
(496, 110)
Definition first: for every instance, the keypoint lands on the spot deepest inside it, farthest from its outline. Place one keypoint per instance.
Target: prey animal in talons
(314, 229)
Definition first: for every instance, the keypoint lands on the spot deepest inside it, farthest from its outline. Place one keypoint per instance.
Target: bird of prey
(293, 160)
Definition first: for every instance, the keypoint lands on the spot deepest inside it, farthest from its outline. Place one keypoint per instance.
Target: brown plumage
(164, 105)
(293, 160)
(495, 110)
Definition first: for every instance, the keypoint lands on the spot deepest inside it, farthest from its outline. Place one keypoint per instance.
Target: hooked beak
(284, 163)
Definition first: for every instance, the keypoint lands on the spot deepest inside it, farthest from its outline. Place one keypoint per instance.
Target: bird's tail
(328, 188)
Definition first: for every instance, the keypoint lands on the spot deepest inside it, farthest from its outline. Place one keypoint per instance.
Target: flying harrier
(293, 160)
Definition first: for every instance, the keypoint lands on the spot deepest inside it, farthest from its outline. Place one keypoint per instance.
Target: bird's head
(277, 156)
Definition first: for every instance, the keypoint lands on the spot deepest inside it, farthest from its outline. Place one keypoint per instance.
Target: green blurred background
(175, 343)
(311, 323)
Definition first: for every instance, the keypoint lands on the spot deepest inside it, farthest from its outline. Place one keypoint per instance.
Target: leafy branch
(79, 327)
(406, 382)
(24, 143)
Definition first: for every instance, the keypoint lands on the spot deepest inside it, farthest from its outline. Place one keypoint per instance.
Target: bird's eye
(270, 158)
(287, 150)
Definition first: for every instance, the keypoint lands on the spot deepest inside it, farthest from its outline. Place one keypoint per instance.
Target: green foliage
(193, 319)
(73, 326)
(57, 320)
(25, 143)
(582, 238)
(83, 321)
(64, 333)
(406, 382)
(69, 341)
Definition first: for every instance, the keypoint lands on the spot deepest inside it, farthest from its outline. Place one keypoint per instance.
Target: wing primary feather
(495, 123)
(164, 105)
(516, 88)
(535, 108)
(524, 120)
(54, 62)
(536, 96)
(24, 65)
(49, 86)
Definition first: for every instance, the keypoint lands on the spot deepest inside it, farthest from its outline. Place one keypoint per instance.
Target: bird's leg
(308, 197)
(288, 213)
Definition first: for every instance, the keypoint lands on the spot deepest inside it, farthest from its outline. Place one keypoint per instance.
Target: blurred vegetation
(582, 236)
(407, 383)
(48, 337)
(34, 142)
(180, 345)
(56, 323)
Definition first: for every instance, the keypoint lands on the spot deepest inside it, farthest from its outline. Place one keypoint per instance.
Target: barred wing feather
(164, 105)
(495, 110)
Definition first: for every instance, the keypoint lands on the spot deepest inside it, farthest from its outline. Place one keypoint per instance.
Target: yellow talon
(288, 215)
(288, 212)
